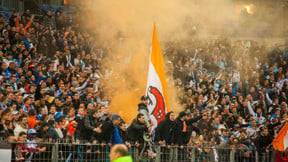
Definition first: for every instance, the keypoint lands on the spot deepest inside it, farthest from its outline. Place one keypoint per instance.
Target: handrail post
(193, 154)
(55, 149)
(136, 154)
(158, 151)
(174, 153)
(232, 155)
(272, 154)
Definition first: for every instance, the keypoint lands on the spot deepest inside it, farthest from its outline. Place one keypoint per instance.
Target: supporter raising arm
(28, 24)
(256, 115)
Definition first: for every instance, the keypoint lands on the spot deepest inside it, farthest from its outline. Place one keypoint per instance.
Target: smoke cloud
(125, 27)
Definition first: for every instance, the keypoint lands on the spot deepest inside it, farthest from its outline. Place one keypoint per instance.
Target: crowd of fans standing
(234, 94)
(238, 88)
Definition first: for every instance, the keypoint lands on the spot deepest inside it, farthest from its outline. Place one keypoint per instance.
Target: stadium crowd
(234, 94)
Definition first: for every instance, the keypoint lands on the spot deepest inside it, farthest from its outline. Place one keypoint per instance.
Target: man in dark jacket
(180, 131)
(191, 127)
(108, 130)
(110, 134)
(91, 126)
(80, 123)
(123, 132)
(137, 129)
(263, 143)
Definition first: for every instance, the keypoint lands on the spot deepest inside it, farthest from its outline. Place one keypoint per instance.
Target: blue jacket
(116, 139)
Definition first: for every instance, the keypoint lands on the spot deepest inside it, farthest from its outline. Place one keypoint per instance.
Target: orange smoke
(125, 28)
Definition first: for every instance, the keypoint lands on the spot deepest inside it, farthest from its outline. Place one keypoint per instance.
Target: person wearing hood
(143, 109)
(164, 133)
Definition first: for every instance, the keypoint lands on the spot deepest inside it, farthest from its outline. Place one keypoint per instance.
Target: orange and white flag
(280, 143)
(156, 89)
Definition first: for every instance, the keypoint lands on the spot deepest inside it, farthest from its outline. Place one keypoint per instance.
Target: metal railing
(63, 152)
(67, 151)
(212, 154)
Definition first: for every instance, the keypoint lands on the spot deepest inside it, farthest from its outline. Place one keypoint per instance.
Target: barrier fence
(63, 151)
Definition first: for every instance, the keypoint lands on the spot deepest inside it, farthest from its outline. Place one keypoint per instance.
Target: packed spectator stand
(233, 94)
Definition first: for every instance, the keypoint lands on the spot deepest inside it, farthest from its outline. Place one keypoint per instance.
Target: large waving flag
(156, 84)
(280, 143)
